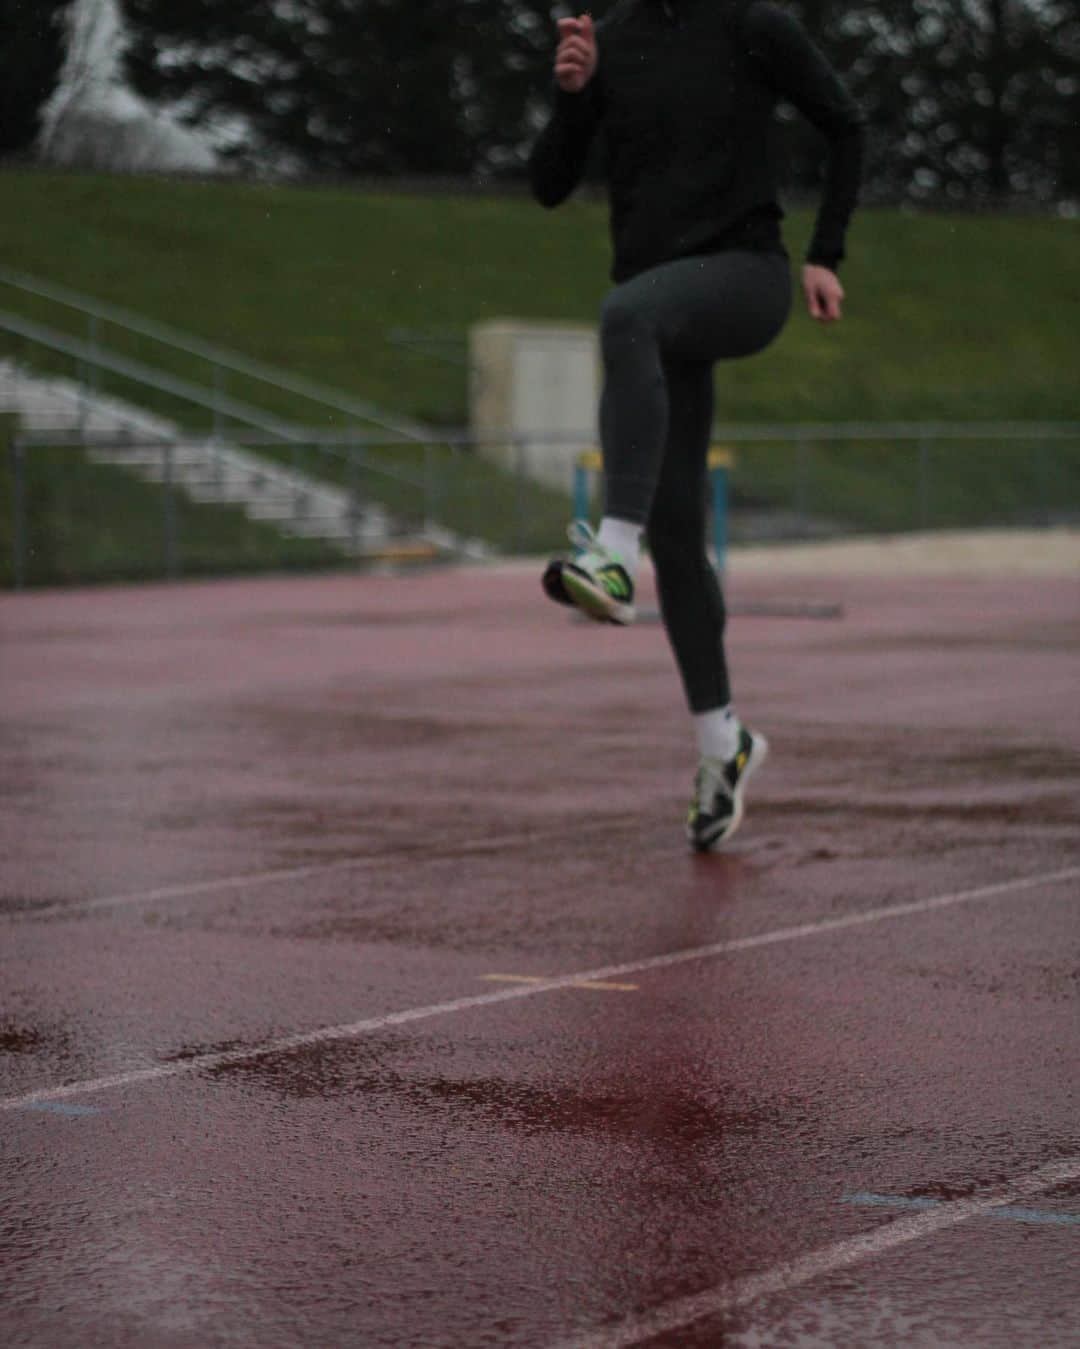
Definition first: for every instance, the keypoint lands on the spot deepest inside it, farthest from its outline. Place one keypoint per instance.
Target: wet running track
(358, 989)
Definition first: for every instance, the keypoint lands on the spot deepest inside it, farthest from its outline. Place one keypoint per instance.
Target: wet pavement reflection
(240, 839)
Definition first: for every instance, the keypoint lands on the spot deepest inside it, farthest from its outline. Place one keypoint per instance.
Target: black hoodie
(684, 95)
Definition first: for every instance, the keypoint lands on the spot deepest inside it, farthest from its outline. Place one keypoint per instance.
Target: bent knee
(622, 320)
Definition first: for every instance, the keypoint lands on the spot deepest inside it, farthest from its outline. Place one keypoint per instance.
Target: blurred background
(252, 256)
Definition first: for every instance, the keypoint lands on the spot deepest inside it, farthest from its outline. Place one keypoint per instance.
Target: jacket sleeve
(558, 159)
(798, 71)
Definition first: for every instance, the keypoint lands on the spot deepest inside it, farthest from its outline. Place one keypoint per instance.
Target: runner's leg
(720, 307)
(690, 312)
(691, 601)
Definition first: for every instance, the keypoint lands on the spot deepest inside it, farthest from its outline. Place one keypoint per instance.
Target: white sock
(623, 538)
(717, 733)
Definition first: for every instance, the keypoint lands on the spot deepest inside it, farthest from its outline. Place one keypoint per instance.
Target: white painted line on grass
(604, 974)
(839, 1255)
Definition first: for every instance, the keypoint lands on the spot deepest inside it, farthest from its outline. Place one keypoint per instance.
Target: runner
(683, 93)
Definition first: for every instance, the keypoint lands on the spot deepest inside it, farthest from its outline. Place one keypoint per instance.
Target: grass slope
(948, 317)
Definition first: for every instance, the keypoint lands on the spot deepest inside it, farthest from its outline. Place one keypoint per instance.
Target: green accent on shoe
(606, 594)
(594, 580)
(615, 581)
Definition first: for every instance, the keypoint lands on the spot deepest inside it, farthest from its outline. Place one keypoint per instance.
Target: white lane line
(192, 889)
(827, 1260)
(604, 974)
(539, 979)
(1008, 1213)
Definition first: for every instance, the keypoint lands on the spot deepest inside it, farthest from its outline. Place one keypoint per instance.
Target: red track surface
(239, 813)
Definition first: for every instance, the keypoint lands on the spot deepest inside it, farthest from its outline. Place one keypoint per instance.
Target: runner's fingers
(572, 79)
(574, 64)
(823, 298)
(574, 47)
(570, 67)
(577, 28)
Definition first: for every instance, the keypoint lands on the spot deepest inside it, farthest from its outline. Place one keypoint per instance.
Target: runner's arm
(800, 73)
(558, 159)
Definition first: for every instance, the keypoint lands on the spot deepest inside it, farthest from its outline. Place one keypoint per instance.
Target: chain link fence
(80, 506)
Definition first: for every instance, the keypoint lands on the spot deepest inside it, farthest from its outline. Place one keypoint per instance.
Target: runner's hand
(823, 291)
(575, 59)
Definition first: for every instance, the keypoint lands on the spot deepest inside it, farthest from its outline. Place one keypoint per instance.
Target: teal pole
(720, 507)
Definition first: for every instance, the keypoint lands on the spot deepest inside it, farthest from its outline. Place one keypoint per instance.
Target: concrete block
(540, 382)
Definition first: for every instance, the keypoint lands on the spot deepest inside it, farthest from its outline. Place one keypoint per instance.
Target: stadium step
(214, 472)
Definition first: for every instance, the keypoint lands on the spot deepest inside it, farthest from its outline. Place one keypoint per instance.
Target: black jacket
(684, 95)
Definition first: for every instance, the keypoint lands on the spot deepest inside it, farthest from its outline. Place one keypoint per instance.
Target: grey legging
(661, 333)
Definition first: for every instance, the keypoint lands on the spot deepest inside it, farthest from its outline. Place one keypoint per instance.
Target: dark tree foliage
(31, 53)
(350, 86)
(993, 99)
(966, 100)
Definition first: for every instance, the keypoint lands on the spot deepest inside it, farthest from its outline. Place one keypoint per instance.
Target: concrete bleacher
(213, 471)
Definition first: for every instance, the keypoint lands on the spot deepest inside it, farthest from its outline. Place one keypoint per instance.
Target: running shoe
(552, 581)
(717, 806)
(594, 580)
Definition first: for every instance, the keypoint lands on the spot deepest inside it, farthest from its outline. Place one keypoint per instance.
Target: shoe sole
(552, 582)
(759, 752)
(594, 600)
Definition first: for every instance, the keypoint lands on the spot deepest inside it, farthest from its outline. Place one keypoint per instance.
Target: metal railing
(925, 440)
(452, 483)
(232, 419)
(220, 359)
(437, 478)
(417, 501)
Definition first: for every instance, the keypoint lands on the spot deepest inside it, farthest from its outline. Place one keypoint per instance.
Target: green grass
(89, 522)
(880, 486)
(948, 317)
